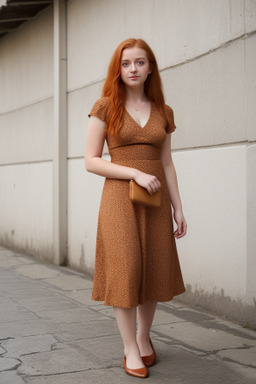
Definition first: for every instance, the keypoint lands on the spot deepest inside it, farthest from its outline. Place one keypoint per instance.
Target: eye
(140, 62)
(124, 64)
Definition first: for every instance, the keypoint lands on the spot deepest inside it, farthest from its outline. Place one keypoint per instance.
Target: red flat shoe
(140, 372)
(149, 360)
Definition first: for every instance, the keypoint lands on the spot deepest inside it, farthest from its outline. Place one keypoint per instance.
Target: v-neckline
(149, 117)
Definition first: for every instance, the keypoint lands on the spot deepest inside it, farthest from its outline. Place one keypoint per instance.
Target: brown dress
(136, 257)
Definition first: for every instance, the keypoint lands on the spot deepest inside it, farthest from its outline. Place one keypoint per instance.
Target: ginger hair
(114, 87)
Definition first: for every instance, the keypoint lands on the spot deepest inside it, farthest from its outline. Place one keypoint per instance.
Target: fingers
(153, 185)
(150, 182)
(181, 230)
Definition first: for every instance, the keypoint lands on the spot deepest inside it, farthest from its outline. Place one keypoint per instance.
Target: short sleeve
(170, 127)
(100, 109)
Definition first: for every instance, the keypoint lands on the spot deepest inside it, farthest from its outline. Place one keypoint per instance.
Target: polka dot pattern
(136, 256)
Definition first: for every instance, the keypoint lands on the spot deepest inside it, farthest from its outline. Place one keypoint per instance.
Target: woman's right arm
(94, 163)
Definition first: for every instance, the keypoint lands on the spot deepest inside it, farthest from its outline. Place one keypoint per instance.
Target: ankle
(142, 339)
(131, 349)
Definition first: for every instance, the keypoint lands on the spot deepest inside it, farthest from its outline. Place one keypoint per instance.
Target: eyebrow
(137, 58)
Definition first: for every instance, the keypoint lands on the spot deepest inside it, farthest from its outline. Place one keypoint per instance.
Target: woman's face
(135, 67)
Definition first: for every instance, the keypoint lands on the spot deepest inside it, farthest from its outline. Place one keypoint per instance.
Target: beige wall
(26, 78)
(206, 52)
(26, 131)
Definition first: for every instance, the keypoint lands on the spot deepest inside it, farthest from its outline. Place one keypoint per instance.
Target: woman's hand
(150, 182)
(181, 223)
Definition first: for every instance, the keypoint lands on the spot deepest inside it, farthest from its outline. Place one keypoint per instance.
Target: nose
(133, 67)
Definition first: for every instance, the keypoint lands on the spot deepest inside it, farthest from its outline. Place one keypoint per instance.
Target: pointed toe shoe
(140, 372)
(149, 360)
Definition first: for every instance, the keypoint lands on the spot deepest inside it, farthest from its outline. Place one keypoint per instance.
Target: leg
(145, 319)
(126, 320)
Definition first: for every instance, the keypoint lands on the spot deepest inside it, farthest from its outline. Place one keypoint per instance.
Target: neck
(135, 95)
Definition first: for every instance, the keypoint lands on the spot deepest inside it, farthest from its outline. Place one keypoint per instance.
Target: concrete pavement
(52, 333)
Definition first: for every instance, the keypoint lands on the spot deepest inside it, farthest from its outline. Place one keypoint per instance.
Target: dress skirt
(136, 256)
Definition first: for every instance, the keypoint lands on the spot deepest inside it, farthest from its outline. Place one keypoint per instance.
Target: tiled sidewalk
(52, 333)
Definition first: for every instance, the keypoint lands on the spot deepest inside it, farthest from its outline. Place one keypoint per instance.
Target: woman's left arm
(173, 188)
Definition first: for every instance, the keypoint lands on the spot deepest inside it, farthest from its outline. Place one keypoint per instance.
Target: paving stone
(107, 311)
(6, 277)
(164, 317)
(187, 314)
(12, 287)
(6, 281)
(4, 294)
(175, 303)
(3, 249)
(246, 356)
(233, 329)
(179, 366)
(82, 297)
(86, 330)
(2, 351)
(9, 305)
(30, 344)
(247, 373)
(10, 262)
(99, 306)
(27, 328)
(33, 292)
(165, 347)
(5, 253)
(69, 283)
(201, 338)
(26, 259)
(18, 315)
(74, 315)
(107, 351)
(38, 304)
(10, 377)
(37, 271)
(176, 368)
(56, 362)
(73, 339)
(8, 363)
(94, 376)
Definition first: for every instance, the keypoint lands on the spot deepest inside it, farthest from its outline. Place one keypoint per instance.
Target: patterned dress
(136, 256)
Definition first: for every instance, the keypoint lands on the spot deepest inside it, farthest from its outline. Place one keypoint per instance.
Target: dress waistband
(135, 152)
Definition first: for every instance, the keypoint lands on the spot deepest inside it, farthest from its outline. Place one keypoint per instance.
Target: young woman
(136, 261)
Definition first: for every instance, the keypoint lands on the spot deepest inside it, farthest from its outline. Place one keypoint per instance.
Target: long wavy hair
(114, 87)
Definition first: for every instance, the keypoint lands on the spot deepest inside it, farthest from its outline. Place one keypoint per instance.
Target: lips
(133, 77)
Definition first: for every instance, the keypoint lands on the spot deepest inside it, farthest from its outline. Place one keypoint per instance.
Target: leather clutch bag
(140, 195)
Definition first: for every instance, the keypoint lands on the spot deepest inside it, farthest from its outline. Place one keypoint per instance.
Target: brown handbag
(140, 195)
